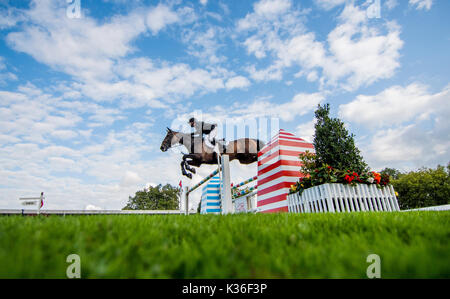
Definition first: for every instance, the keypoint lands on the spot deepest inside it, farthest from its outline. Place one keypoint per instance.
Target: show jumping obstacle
(225, 192)
(278, 169)
(244, 200)
(210, 201)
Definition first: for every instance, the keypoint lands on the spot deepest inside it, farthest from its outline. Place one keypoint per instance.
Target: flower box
(343, 198)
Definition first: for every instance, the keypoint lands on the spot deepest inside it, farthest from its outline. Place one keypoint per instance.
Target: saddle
(221, 143)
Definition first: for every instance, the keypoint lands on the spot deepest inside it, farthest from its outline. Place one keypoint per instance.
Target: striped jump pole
(189, 190)
(245, 192)
(204, 180)
(225, 188)
(242, 201)
(244, 182)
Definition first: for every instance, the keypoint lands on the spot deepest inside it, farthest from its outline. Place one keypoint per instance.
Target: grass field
(411, 245)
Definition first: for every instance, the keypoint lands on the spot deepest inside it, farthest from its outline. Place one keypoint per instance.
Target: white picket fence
(343, 198)
(246, 203)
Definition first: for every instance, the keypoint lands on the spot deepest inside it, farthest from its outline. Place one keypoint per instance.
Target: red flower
(348, 178)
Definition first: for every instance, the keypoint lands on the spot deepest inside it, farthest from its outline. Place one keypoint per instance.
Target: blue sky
(84, 102)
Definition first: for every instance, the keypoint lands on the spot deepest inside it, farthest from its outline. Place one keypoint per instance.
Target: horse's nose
(162, 148)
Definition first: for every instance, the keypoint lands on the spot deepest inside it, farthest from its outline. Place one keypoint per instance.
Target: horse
(245, 150)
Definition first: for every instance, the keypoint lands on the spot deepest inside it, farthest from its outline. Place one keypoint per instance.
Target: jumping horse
(244, 149)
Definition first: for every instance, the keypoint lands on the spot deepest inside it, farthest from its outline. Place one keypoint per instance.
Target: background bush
(155, 198)
(334, 145)
(422, 188)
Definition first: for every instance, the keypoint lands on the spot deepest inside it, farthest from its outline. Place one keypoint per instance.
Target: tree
(423, 188)
(334, 145)
(392, 172)
(155, 198)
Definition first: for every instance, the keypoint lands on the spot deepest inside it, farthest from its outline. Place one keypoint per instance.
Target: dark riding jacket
(203, 128)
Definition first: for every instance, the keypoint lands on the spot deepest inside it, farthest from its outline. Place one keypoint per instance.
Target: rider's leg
(208, 142)
(209, 139)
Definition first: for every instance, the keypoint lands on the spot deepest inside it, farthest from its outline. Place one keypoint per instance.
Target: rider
(210, 130)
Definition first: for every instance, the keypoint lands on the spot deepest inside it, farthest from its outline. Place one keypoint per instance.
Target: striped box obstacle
(278, 169)
(210, 200)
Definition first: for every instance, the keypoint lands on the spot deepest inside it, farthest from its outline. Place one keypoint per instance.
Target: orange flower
(376, 176)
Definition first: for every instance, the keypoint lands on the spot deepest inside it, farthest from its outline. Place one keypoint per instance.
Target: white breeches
(210, 138)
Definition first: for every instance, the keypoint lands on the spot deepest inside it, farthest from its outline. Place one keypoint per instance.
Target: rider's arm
(198, 128)
(207, 128)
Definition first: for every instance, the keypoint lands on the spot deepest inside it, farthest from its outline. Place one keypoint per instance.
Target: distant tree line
(155, 198)
(422, 188)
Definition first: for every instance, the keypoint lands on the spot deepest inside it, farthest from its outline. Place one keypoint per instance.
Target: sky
(87, 88)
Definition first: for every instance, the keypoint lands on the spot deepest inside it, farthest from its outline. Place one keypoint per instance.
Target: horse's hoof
(189, 175)
(193, 170)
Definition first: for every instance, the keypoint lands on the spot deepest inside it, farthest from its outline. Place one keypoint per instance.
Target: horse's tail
(259, 144)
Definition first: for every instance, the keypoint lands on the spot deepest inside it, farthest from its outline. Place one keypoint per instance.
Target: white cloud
(102, 170)
(394, 105)
(64, 134)
(356, 53)
(205, 45)
(391, 4)
(160, 17)
(268, 8)
(409, 147)
(4, 74)
(273, 72)
(255, 46)
(203, 2)
(86, 48)
(9, 18)
(410, 126)
(421, 4)
(306, 130)
(300, 104)
(80, 47)
(237, 82)
(330, 4)
(130, 178)
(96, 55)
(33, 115)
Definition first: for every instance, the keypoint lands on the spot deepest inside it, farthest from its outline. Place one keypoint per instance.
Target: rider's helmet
(192, 120)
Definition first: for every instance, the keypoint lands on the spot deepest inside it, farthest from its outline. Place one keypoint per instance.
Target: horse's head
(170, 139)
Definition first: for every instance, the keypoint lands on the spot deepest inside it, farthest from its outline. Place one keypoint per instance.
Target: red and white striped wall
(278, 169)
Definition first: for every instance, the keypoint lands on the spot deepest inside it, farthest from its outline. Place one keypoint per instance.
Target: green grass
(411, 245)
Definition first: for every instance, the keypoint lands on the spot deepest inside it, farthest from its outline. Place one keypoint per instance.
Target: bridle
(177, 144)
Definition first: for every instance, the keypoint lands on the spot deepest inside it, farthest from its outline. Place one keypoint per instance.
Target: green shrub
(333, 144)
(423, 188)
(155, 198)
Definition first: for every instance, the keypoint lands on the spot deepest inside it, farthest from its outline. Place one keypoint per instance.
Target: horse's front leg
(183, 170)
(187, 163)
